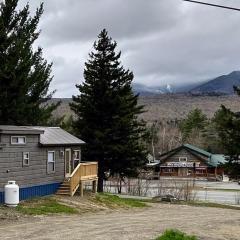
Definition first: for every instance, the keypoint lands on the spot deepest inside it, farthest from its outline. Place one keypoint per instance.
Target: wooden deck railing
(83, 172)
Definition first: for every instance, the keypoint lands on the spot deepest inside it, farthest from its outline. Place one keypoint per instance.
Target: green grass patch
(115, 201)
(44, 206)
(221, 189)
(175, 235)
(211, 204)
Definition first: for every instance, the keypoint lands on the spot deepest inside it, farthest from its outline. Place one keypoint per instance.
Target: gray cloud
(162, 41)
(82, 20)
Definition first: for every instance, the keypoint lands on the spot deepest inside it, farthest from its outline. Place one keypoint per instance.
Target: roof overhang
(61, 144)
(19, 130)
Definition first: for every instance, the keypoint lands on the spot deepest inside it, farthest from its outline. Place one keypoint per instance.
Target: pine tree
(107, 113)
(228, 128)
(24, 74)
(194, 123)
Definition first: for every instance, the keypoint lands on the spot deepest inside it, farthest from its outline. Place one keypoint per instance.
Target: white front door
(68, 162)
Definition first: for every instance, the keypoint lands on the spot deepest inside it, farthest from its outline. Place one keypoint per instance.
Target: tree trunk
(100, 184)
(120, 186)
(101, 177)
(153, 150)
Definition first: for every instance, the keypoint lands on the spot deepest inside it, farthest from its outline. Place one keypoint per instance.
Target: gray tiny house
(40, 159)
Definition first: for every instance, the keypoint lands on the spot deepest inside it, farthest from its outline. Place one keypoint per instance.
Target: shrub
(175, 235)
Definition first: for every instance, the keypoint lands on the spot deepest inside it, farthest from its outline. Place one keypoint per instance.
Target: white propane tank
(11, 190)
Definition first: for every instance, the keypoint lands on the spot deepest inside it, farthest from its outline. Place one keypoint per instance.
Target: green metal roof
(217, 159)
(213, 159)
(196, 149)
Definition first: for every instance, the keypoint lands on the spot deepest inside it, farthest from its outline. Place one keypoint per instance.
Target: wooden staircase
(84, 172)
(64, 188)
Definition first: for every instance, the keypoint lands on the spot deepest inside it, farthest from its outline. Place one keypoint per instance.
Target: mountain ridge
(219, 85)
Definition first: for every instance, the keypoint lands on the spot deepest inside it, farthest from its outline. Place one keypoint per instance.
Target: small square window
(18, 140)
(182, 159)
(26, 159)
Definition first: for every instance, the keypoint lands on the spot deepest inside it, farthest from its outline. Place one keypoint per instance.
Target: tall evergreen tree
(193, 124)
(24, 74)
(107, 113)
(228, 128)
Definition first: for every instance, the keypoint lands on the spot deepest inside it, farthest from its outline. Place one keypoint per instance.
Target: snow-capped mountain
(149, 90)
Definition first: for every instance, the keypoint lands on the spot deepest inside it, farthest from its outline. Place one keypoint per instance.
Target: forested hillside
(170, 106)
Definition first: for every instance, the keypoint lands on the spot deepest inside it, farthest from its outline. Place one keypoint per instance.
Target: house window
(26, 159)
(76, 157)
(18, 140)
(183, 159)
(51, 162)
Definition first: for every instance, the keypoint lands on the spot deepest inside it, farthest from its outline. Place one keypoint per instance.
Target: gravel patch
(131, 224)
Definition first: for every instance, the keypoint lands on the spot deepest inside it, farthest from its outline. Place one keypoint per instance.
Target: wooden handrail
(83, 171)
(75, 170)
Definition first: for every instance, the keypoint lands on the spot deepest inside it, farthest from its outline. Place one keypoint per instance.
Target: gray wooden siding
(184, 153)
(11, 159)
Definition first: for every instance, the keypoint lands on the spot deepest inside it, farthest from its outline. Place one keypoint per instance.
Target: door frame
(69, 150)
(183, 172)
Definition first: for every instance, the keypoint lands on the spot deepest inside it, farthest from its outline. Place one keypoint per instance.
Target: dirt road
(137, 224)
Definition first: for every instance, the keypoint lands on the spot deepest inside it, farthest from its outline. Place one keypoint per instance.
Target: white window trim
(24, 164)
(183, 159)
(54, 161)
(25, 141)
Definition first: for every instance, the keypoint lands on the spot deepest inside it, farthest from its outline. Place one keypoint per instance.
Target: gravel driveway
(135, 224)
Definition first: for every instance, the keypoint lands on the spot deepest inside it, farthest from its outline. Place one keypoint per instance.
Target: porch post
(94, 186)
(81, 188)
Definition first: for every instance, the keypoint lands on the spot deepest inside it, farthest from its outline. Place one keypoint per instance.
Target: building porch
(84, 172)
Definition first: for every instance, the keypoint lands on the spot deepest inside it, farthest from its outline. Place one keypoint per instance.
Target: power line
(213, 5)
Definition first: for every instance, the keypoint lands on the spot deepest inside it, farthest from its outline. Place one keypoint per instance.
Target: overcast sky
(162, 41)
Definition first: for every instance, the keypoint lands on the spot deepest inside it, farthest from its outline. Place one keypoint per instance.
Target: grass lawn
(175, 235)
(50, 205)
(43, 206)
(113, 201)
(221, 189)
(211, 204)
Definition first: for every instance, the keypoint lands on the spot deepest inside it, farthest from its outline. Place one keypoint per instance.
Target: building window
(51, 162)
(76, 158)
(182, 159)
(18, 140)
(26, 159)
(168, 170)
